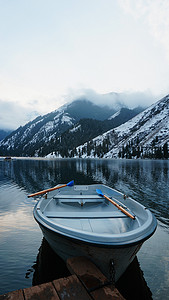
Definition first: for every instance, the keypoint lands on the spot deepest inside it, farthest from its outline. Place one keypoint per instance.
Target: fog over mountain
(49, 132)
(84, 129)
(15, 114)
(128, 99)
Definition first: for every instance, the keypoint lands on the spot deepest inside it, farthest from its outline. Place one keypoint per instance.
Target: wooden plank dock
(86, 283)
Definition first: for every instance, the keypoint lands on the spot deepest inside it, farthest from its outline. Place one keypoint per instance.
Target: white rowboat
(83, 220)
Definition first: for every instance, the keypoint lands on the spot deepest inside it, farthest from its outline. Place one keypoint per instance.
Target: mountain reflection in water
(50, 266)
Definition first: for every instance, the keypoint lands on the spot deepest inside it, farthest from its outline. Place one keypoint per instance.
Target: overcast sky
(51, 51)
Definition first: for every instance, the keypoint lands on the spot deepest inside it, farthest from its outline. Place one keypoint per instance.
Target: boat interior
(80, 207)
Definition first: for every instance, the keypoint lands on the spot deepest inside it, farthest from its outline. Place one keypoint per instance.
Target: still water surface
(147, 181)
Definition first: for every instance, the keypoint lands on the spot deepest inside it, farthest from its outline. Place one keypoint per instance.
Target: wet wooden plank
(45, 291)
(87, 272)
(87, 283)
(70, 288)
(18, 294)
(107, 293)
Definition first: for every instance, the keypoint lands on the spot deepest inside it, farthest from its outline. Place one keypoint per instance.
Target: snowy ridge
(82, 129)
(147, 131)
(39, 131)
(34, 138)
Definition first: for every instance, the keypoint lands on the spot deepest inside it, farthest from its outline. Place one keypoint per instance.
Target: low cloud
(129, 99)
(13, 115)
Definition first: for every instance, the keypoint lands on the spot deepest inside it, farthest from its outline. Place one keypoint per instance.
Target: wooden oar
(114, 203)
(71, 183)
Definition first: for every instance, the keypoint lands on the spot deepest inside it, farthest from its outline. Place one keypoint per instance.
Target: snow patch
(66, 119)
(115, 115)
(74, 129)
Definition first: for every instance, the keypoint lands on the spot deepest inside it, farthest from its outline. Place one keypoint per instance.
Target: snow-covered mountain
(40, 135)
(145, 135)
(83, 129)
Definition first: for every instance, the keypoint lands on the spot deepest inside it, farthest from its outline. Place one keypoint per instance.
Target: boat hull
(110, 260)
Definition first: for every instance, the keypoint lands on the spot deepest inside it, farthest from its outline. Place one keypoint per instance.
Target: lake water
(25, 257)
